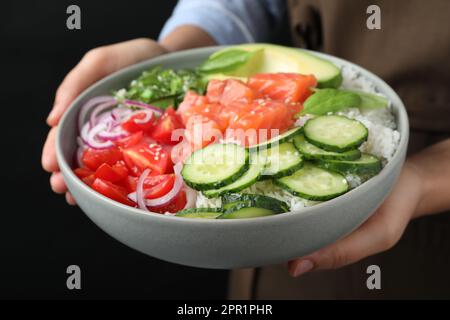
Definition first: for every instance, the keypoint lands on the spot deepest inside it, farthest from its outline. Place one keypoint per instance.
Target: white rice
(383, 140)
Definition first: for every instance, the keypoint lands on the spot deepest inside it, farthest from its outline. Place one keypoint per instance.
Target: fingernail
(303, 267)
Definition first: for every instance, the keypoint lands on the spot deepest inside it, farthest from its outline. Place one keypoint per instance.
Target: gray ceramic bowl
(226, 244)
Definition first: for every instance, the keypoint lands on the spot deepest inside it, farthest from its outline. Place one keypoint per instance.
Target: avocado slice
(274, 58)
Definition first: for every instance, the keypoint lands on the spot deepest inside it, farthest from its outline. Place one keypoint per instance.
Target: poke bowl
(339, 145)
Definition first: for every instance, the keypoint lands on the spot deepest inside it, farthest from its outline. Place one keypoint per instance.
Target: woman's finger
(48, 159)
(57, 182)
(70, 199)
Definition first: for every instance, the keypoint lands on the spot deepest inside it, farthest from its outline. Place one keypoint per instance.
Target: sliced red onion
(110, 125)
(102, 135)
(120, 113)
(92, 140)
(80, 152)
(148, 117)
(87, 107)
(85, 133)
(132, 196)
(107, 120)
(140, 190)
(191, 197)
(112, 135)
(165, 199)
(143, 105)
(93, 121)
(104, 117)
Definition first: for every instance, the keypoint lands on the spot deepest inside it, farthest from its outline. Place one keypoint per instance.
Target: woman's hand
(379, 233)
(95, 64)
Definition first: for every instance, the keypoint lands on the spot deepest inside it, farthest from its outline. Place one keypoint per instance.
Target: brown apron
(411, 52)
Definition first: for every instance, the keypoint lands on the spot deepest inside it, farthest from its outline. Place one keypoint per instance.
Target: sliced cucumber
(311, 152)
(226, 206)
(256, 200)
(314, 183)
(335, 133)
(215, 166)
(257, 164)
(200, 213)
(278, 139)
(283, 160)
(244, 210)
(367, 165)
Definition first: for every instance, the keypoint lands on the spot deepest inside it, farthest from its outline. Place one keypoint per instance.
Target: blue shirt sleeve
(229, 21)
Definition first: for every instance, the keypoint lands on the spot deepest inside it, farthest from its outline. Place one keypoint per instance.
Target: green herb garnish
(324, 101)
(369, 100)
(164, 87)
(225, 61)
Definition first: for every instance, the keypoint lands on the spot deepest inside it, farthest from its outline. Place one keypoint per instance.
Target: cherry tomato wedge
(112, 191)
(129, 183)
(133, 125)
(130, 141)
(146, 155)
(89, 180)
(95, 158)
(114, 173)
(157, 186)
(154, 186)
(83, 172)
(165, 125)
(177, 204)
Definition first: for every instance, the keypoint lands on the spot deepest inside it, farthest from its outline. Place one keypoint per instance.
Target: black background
(40, 234)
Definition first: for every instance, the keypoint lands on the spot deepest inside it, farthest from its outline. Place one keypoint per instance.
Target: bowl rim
(399, 110)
